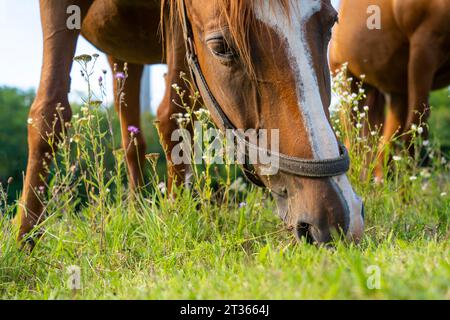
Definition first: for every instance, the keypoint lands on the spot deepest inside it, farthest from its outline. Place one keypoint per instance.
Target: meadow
(222, 238)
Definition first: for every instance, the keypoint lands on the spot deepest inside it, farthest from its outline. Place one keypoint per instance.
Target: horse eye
(220, 48)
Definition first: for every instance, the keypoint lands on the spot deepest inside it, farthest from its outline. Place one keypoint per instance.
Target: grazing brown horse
(402, 62)
(264, 64)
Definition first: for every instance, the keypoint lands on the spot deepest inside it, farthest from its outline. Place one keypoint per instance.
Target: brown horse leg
(59, 49)
(425, 56)
(397, 106)
(130, 117)
(178, 174)
(175, 55)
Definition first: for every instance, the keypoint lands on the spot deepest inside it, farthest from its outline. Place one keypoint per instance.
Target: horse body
(266, 72)
(402, 62)
(139, 42)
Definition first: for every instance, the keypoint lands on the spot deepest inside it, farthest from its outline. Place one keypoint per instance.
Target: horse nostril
(363, 213)
(304, 231)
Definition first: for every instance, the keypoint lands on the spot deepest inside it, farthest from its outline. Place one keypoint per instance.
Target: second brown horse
(403, 59)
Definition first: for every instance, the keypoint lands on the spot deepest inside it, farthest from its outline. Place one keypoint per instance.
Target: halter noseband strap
(310, 168)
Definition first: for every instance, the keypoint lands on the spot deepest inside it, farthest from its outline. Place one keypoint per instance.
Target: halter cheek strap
(309, 168)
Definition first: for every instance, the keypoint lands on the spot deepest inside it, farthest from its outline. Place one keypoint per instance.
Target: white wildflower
(397, 158)
(162, 187)
(425, 173)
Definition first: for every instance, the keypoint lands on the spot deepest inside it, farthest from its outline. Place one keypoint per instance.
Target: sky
(21, 52)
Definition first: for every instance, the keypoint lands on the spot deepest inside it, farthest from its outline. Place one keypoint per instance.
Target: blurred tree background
(15, 103)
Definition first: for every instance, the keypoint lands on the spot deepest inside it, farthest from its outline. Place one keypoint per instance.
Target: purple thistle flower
(120, 75)
(133, 129)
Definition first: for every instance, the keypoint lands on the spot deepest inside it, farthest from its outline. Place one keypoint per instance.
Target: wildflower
(120, 75)
(443, 160)
(30, 121)
(413, 178)
(425, 173)
(133, 129)
(83, 58)
(397, 158)
(162, 187)
(366, 108)
(176, 87)
(152, 157)
(76, 138)
(242, 205)
(443, 194)
(202, 113)
(359, 125)
(419, 130)
(426, 143)
(373, 133)
(355, 109)
(413, 127)
(41, 189)
(238, 185)
(362, 115)
(59, 108)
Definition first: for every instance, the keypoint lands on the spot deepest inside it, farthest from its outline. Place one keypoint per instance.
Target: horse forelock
(240, 19)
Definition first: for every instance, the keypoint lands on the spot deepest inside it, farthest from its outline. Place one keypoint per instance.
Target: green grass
(151, 246)
(175, 251)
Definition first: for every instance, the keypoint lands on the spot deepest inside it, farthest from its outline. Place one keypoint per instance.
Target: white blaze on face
(321, 136)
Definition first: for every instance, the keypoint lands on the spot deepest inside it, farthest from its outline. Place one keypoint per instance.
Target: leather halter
(309, 168)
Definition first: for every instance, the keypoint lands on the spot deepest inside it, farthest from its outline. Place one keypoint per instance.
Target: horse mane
(240, 18)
